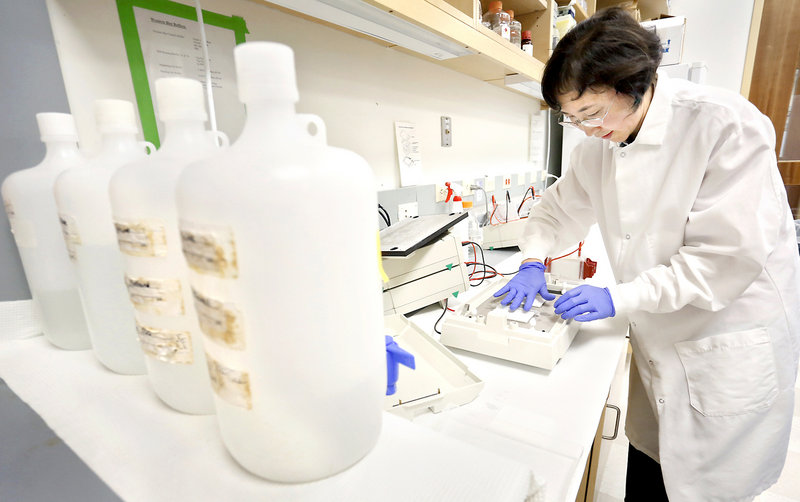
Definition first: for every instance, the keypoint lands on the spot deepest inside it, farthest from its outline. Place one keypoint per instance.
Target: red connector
(589, 268)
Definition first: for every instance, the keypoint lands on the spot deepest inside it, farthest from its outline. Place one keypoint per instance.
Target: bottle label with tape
(169, 346)
(209, 250)
(222, 322)
(156, 296)
(232, 386)
(142, 238)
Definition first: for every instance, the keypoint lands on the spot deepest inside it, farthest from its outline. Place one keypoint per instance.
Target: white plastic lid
(114, 116)
(180, 99)
(56, 127)
(265, 71)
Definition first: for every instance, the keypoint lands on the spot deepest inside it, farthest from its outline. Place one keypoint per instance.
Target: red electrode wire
(548, 261)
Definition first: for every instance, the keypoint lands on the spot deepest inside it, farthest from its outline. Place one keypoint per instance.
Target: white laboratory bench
(528, 427)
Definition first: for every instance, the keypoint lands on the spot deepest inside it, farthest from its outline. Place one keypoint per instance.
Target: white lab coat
(701, 240)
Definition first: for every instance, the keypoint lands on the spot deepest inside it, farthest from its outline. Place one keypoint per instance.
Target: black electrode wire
(482, 262)
(384, 215)
(508, 199)
(530, 189)
(444, 311)
(493, 270)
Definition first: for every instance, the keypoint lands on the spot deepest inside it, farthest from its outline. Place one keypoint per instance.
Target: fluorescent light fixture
(524, 84)
(370, 20)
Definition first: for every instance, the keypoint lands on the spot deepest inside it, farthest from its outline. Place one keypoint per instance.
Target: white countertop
(545, 419)
(525, 420)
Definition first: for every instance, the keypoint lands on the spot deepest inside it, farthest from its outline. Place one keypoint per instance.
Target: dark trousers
(644, 482)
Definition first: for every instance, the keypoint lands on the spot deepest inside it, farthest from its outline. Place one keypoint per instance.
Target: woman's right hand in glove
(524, 286)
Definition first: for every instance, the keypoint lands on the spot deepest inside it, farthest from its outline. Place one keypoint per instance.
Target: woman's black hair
(610, 49)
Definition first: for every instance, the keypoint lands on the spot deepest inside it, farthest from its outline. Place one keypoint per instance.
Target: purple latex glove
(528, 282)
(585, 303)
(395, 356)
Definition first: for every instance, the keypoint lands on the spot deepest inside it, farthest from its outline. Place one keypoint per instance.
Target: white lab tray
(439, 382)
(503, 235)
(479, 324)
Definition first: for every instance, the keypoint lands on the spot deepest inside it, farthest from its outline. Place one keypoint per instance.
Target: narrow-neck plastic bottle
(515, 27)
(499, 20)
(146, 221)
(32, 213)
(298, 365)
(88, 231)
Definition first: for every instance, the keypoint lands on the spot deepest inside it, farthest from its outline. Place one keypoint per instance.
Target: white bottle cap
(57, 127)
(114, 116)
(180, 99)
(265, 71)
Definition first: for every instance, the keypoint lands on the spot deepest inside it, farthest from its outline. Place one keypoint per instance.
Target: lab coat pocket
(730, 374)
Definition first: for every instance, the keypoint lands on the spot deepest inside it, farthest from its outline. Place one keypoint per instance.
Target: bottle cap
(495, 6)
(180, 99)
(526, 34)
(56, 127)
(115, 116)
(265, 71)
(510, 12)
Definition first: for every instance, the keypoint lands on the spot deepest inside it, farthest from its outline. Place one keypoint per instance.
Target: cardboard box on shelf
(670, 29)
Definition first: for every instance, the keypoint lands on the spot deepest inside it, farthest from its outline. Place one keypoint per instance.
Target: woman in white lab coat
(683, 182)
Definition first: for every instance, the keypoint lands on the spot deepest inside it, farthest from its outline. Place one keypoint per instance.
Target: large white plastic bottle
(298, 360)
(146, 220)
(85, 214)
(31, 209)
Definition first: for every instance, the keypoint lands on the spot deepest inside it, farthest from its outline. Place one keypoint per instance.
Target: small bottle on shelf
(516, 30)
(499, 21)
(527, 45)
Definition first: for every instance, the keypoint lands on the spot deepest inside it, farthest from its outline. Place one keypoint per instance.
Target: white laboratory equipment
(299, 372)
(439, 381)
(32, 213)
(424, 261)
(84, 211)
(146, 222)
(503, 235)
(538, 337)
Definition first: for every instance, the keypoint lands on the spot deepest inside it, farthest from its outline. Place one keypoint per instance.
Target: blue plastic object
(585, 303)
(528, 282)
(395, 356)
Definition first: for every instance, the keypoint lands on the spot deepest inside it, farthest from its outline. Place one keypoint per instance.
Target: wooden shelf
(459, 21)
(520, 7)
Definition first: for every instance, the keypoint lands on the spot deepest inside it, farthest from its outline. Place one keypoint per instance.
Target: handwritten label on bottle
(229, 384)
(71, 236)
(142, 238)
(219, 321)
(174, 347)
(209, 250)
(24, 231)
(155, 296)
(9, 209)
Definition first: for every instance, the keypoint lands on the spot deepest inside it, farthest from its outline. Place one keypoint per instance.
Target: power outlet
(407, 210)
(507, 180)
(441, 193)
(488, 184)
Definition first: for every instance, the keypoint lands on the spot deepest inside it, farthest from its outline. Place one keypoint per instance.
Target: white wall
(358, 87)
(716, 33)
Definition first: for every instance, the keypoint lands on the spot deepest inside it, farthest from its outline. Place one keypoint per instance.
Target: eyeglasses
(566, 120)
